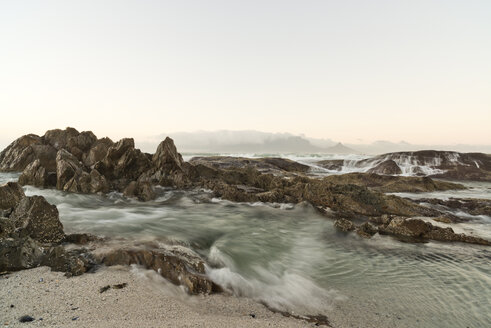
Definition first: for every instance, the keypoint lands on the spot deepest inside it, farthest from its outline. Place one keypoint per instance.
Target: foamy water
(291, 258)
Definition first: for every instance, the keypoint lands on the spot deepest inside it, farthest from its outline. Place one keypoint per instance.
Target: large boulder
(11, 194)
(36, 218)
(178, 264)
(37, 175)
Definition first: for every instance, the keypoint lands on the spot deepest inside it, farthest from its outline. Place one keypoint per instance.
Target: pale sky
(351, 71)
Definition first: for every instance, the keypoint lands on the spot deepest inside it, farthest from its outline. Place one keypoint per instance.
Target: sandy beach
(147, 301)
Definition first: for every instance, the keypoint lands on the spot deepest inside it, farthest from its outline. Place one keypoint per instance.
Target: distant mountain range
(250, 141)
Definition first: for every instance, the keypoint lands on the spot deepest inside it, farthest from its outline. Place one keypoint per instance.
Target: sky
(350, 71)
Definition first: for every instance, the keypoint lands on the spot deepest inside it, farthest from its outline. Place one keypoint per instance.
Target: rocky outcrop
(388, 167)
(11, 194)
(274, 165)
(178, 264)
(388, 184)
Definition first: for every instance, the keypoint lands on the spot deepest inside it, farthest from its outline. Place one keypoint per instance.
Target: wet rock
(38, 219)
(179, 265)
(73, 262)
(37, 175)
(331, 165)
(366, 230)
(344, 225)
(11, 194)
(141, 190)
(411, 229)
(407, 227)
(388, 167)
(80, 238)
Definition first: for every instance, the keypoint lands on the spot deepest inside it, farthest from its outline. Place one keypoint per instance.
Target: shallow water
(292, 258)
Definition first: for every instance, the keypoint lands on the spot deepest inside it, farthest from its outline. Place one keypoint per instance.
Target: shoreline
(146, 301)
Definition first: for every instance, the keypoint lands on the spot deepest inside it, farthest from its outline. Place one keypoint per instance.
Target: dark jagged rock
(11, 194)
(179, 265)
(388, 167)
(38, 219)
(344, 225)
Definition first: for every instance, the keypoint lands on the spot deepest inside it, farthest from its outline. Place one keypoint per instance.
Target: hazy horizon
(260, 142)
(351, 71)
